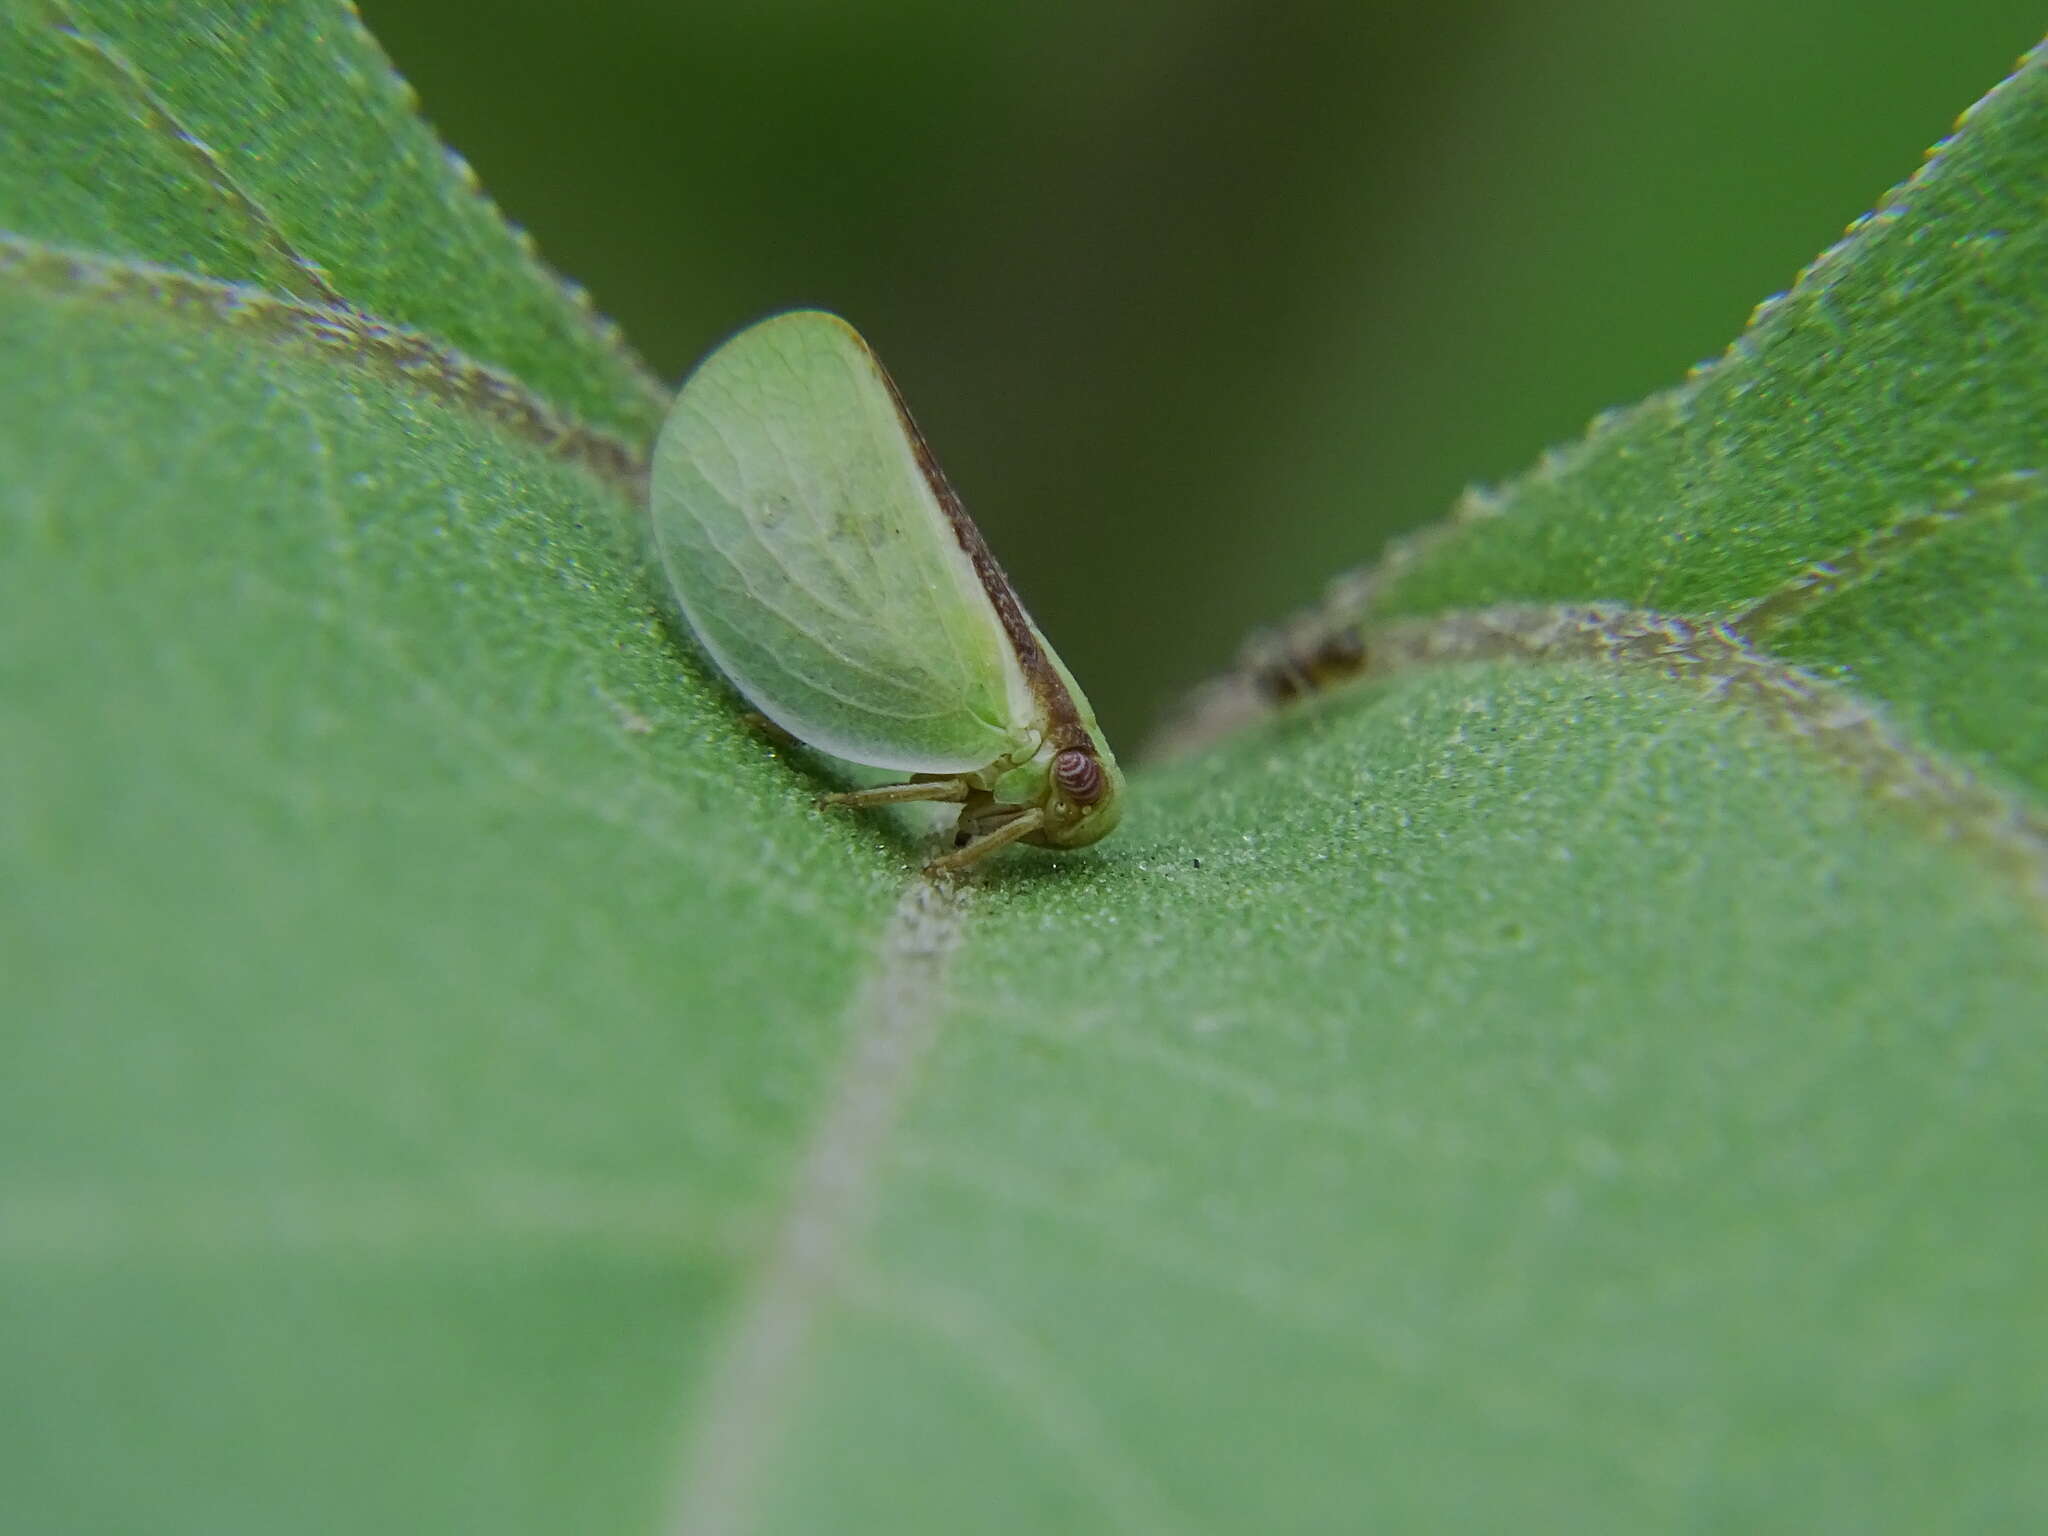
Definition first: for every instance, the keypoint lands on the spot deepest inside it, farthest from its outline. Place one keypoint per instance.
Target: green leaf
(1887, 413)
(1585, 1074)
(273, 144)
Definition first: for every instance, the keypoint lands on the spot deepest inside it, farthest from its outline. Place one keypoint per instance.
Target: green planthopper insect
(831, 572)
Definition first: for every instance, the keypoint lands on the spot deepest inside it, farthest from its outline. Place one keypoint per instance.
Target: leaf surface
(460, 1083)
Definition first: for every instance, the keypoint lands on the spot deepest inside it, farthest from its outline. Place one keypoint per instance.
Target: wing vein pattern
(815, 563)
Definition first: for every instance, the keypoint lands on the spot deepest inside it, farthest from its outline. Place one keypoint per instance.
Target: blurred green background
(1199, 300)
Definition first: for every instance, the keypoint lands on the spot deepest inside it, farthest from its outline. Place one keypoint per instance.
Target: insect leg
(897, 794)
(1016, 827)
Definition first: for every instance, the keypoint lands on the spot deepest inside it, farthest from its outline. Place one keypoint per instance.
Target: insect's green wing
(814, 560)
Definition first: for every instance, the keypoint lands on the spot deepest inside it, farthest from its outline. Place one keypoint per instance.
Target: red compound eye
(1078, 775)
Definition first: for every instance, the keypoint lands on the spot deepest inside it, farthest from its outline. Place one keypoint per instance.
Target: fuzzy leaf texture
(1584, 1073)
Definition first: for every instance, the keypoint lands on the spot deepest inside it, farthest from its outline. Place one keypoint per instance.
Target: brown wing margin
(1044, 680)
